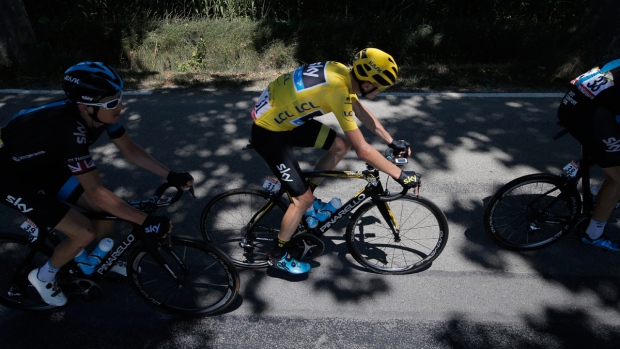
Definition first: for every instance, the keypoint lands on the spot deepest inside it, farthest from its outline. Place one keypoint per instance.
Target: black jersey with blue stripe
(41, 138)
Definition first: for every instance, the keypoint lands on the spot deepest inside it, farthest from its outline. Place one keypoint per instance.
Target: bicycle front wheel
(531, 212)
(205, 281)
(17, 258)
(232, 222)
(410, 242)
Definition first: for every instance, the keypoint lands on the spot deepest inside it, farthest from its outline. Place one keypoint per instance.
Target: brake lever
(191, 191)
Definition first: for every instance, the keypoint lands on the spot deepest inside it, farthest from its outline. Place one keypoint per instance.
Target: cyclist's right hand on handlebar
(410, 179)
(157, 226)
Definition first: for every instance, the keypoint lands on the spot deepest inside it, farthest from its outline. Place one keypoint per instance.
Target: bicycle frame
(127, 244)
(583, 175)
(373, 190)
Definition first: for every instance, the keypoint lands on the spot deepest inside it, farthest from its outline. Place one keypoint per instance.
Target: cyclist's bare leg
(608, 195)
(79, 232)
(294, 213)
(334, 155)
(103, 228)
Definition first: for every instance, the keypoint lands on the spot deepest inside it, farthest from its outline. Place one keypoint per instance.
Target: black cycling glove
(156, 226)
(400, 146)
(179, 179)
(409, 179)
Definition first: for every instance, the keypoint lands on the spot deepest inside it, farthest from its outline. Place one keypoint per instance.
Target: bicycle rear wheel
(207, 281)
(423, 234)
(17, 258)
(230, 222)
(531, 212)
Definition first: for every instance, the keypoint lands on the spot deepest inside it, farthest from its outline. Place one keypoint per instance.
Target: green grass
(241, 53)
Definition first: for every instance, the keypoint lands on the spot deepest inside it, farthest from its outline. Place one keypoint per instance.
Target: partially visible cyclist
(591, 112)
(284, 117)
(46, 168)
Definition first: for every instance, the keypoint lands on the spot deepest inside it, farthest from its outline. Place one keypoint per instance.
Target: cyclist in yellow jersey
(284, 117)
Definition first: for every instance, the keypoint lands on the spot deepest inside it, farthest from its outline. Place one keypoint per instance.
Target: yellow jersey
(308, 92)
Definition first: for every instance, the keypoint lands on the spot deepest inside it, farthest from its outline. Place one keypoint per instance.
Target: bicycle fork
(388, 216)
(155, 249)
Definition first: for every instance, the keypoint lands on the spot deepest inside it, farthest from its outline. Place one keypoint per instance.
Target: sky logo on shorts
(284, 175)
(613, 145)
(17, 203)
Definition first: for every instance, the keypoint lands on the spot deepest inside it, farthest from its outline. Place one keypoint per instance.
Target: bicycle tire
(423, 235)
(210, 280)
(225, 219)
(15, 289)
(517, 216)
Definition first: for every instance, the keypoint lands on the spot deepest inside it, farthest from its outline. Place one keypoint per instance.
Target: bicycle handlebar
(398, 160)
(392, 197)
(159, 192)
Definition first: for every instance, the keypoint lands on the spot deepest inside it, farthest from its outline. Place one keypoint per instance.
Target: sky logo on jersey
(310, 76)
(80, 135)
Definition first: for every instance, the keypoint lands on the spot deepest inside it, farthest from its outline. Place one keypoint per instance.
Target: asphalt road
(475, 295)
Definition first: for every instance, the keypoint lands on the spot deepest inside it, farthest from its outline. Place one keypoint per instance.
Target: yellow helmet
(376, 67)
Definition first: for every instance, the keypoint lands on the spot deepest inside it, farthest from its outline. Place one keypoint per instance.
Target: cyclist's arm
(140, 157)
(371, 122)
(106, 200)
(366, 152)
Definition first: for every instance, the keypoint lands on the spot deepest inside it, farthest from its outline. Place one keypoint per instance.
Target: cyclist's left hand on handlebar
(158, 226)
(401, 148)
(181, 180)
(410, 179)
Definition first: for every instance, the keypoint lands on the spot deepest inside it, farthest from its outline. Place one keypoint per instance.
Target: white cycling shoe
(49, 291)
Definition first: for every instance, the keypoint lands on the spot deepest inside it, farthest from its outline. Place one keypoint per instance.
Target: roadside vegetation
(449, 44)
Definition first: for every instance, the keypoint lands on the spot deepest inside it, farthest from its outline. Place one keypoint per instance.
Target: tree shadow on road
(497, 139)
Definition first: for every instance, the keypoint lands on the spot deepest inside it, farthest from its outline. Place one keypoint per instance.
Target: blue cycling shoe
(603, 242)
(289, 264)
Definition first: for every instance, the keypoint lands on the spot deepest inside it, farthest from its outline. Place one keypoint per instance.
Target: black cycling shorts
(41, 199)
(596, 128)
(277, 150)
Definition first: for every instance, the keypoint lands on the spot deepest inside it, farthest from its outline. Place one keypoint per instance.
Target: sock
(280, 242)
(47, 273)
(595, 229)
(278, 250)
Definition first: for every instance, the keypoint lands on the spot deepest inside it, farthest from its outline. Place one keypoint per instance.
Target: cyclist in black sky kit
(591, 112)
(46, 167)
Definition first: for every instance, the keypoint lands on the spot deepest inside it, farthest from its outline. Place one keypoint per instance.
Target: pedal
(16, 291)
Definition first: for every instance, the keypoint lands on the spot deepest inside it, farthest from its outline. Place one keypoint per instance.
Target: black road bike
(387, 233)
(179, 275)
(536, 210)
